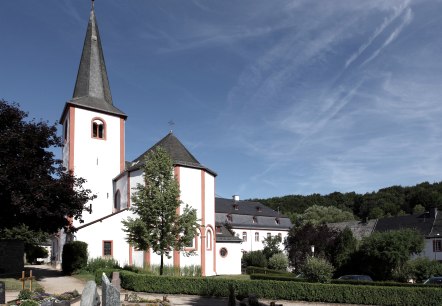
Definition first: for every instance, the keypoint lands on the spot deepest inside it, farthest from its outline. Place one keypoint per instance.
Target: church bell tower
(93, 128)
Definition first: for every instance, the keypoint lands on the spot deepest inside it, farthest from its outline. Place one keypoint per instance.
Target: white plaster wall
(190, 188)
(121, 185)
(428, 250)
(137, 258)
(251, 244)
(108, 229)
(97, 160)
(231, 264)
(65, 149)
(210, 221)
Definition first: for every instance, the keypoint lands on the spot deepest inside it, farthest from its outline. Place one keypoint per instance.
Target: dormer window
(98, 129)
(235, 207)
(277, 221)
(229, 218)
(219, 230)
(258, 209)
(254, 220)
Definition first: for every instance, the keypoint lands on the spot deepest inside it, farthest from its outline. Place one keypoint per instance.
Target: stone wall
(11, 256)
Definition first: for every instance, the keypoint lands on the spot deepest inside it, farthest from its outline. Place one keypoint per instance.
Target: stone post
(89, 296)
(110, 295)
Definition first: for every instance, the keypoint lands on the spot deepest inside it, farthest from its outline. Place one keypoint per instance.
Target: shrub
(29, 303)
(301, 291)
(278, 261)
(260, 270)
(317, 269)
(102, 263)
(74, 256)
(418, 269)
(254, 258)
(25, 294)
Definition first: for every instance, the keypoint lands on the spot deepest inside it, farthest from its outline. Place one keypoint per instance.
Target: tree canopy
(386, 202)
(36, 191)
(317, 214)
(381, 253)
(158, 225)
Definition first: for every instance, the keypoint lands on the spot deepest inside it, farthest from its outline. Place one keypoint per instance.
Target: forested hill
(391, 201)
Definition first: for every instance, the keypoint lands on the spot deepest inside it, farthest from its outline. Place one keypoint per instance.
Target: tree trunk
(161, 264)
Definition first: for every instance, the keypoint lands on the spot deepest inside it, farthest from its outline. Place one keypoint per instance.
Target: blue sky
(277, 97)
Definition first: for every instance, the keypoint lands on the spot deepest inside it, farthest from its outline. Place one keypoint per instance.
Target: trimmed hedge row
(291, 278)
(301, 291)
(260, 270)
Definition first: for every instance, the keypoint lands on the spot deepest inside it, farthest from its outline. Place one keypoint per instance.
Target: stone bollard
(116, 282)
(89, 296)
(110, 295)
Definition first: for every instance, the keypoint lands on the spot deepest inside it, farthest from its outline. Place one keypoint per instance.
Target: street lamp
(313, 250)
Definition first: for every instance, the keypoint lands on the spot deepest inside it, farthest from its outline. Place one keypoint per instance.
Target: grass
(15, 284)
(236, 277)
(84, 276)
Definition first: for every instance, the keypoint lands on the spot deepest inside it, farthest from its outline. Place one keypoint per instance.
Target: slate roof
(177, 151)
(422, 222)
(359, 229)
(92, 90)
(225, 235)
(249, 214)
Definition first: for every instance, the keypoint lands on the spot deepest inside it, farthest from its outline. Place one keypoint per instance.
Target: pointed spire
(92, 78)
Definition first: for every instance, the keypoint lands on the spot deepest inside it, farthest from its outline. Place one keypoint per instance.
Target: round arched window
(223, 252)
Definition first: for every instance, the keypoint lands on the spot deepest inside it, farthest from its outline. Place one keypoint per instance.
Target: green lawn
(15, 284)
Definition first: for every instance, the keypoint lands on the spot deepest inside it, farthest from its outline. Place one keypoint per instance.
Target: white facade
(254, 238)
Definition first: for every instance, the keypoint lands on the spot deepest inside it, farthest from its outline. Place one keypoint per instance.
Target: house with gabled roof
(429, 224)
(251, 221)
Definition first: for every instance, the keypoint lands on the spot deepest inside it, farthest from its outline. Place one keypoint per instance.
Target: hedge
(337, 281)
(270, 289)
(260, 270)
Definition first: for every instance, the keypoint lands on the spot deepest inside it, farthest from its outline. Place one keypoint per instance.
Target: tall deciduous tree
(36, 193)
(156, 202)
(300, 240)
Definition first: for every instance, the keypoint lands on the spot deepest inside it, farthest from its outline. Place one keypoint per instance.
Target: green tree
(36, 191)
(300, 240)
(158, 225)
(325, 214)
(384, 252)
(418, 209)
(271, 246)
(254, 259)
(345, 245)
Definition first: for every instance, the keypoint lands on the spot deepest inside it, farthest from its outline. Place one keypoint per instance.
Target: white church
(94, 148)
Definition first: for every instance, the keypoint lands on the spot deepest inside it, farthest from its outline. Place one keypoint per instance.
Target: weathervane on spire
(92, 4)
(171, 124)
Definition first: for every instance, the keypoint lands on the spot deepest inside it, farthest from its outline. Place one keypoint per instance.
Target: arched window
(256, 236)
(98, 129)
(244, 236)
(209, 240)
(117, 201)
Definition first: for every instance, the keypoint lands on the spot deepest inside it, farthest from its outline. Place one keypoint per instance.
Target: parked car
(364, 278)
(435, 280)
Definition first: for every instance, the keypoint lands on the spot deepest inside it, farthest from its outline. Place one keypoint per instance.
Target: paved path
(53, 281)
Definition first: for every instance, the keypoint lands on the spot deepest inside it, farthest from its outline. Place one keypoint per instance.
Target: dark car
(435, 280)
(364, 278)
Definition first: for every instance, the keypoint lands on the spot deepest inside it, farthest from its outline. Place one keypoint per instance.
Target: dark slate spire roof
(177, 151)
(92, 88)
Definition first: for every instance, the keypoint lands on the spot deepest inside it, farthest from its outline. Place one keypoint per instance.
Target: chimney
(433, 212)
(235, 198)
